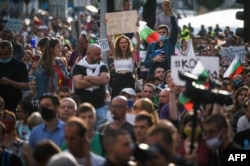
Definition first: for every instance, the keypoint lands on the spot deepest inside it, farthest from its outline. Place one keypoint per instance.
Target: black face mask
(47, 114)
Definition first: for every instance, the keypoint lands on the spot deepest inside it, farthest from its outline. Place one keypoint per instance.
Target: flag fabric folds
(147, 33)
(234, 68)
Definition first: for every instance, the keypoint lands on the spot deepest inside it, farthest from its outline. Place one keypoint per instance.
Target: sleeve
(104, 68)
(77, 70)
(148, 62)
(240, 124)
(174, 34)
(24, 77)
(32, 140)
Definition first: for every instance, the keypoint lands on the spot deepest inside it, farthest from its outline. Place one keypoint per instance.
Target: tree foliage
(210, 4)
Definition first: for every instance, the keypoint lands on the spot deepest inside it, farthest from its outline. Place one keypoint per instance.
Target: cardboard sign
(103, 44)
(187, 64)
(228, 54)
(14, 24)
(121, 22)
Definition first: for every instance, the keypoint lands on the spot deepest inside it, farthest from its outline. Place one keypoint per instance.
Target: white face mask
(213, 143)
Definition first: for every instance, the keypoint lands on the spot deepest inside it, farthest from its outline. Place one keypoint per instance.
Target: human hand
(5, 81)
(159, 58)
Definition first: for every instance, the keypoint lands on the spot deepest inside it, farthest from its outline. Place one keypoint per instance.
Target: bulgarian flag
(234, 68)
(200, 71)
(186, 102)
(147, 33)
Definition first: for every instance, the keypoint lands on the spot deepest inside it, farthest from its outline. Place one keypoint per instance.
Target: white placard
(14, 24)
(143, 56)
(121, 22)
(228, 54)
(103, 44)
(187, 64)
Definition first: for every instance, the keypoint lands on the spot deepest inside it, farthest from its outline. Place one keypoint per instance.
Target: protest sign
(187, 64)
(228, 54)
(14, 24)
(103, 43)
(121, 22)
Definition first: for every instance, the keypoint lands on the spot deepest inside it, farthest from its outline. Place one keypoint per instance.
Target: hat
(62, 159)
(129, 91)
(168, 1)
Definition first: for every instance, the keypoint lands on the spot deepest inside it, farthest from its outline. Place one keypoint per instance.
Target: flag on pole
(147, 33)
(234, 68)
(202, 74)
(190, 50)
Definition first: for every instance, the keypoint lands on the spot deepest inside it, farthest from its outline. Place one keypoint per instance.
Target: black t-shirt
(14, 70)
(7, 158)
(240, 137)
(95, 97)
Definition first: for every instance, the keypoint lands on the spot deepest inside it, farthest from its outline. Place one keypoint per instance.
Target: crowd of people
(60, 104)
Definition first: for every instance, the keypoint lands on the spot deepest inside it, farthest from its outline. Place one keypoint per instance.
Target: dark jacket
(169, 49)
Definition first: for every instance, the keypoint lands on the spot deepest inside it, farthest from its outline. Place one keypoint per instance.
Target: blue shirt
(41, 132)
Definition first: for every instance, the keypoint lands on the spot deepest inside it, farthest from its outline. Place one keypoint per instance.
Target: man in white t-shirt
(78, 143)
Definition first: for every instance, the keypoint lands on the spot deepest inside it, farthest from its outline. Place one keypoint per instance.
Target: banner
(228, 54)
(187, 64)
(14, 24)
(121, 22)
(103, 44)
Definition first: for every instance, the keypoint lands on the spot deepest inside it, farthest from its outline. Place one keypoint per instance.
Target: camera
(144, 152)
(202, 94)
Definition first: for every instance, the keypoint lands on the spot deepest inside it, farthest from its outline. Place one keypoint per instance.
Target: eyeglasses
(117, 106)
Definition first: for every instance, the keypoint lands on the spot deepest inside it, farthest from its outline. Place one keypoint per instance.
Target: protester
(124, 58)
(50, 73)
(7, 157)
(77, 143)
(52, 128)
(13, 76)
(89, 84)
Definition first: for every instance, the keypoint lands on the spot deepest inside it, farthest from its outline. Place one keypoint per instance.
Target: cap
(168, 1)
(129, 91)
(62, 159)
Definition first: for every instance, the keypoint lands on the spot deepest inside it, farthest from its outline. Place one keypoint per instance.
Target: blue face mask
(5, 61)
(163, 38)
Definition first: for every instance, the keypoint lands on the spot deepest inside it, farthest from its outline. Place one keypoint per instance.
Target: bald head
(94, 53)
(121, 98)
(164, 96)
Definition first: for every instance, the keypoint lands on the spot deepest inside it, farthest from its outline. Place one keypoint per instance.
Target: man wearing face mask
(52, 128)
(159, 53)
(13, 76)
(219, 137)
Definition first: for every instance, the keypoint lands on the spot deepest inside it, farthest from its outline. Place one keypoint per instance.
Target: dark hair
(76, 121)
(111, 136)
(44, 150)
(219, 120)
(63, 89)
(86, 107)
(6, 43)
(42, 42)
(146, 117)
(54, 99)
(27, 107)
(189, 118)
(47, 57)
